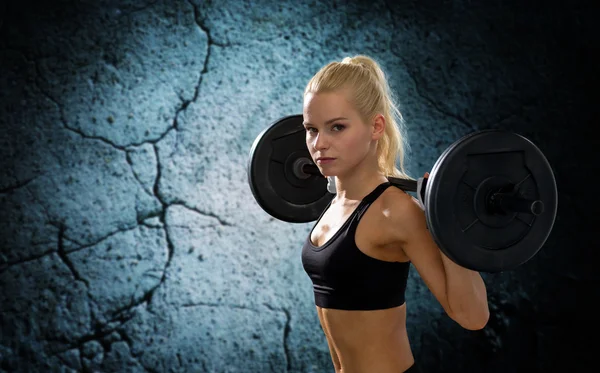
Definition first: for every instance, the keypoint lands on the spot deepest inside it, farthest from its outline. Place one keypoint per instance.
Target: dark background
(130, 242)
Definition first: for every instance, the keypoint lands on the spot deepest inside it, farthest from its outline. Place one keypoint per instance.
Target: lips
(324, 160)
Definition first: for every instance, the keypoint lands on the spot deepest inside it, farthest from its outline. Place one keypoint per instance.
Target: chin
(329, 174)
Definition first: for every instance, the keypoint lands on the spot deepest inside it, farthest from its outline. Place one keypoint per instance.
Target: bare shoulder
(393, 221)
(403, 214)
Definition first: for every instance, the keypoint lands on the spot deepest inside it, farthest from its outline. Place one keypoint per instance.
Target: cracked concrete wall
(129, 241)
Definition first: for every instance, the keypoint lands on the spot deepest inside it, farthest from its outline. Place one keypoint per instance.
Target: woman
(359, 252)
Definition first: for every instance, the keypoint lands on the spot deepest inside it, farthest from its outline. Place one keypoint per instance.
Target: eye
(337, 127)
(310, 129)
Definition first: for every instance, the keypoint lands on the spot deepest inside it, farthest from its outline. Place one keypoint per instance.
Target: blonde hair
(371, 96)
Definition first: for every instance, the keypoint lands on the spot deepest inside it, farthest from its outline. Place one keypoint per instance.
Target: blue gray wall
(130, 242)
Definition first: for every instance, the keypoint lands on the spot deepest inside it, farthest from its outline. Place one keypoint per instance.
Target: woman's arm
(467, 295)
(460, 291)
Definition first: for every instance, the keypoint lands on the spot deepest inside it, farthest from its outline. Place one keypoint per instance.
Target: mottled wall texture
(130, 241)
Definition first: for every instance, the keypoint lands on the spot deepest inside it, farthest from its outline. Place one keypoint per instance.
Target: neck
(355, 185)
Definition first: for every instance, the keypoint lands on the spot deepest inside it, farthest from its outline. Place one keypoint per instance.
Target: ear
(378, 126)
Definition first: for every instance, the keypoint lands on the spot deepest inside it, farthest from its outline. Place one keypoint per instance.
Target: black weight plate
(272, 181)
(489, 242)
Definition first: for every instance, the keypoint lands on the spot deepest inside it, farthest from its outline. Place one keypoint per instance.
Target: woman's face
(336, 136)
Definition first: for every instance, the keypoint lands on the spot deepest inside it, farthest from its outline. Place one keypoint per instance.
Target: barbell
(490, 200)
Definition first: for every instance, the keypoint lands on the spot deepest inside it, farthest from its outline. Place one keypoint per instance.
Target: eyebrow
(327, 122)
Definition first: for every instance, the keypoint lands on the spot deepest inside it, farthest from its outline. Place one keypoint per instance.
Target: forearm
(466, 294)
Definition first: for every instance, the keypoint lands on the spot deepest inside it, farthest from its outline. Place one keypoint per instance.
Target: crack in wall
(45, 210)
(186, 103)
(100, 331)
(156, 186)
(142, 218)
(147, 297)
(226, 305)
(62, 252)
(221, 221)
(6, 265)
(133, 303)
(135, 175)
(286, 333)
(171, 250)
(199, 20)
(65, 124)
(150, 225)
(124, 313)
(99, 336)
(18, 185)
(82, 246)
(65, 258)
(62, 112)
(129, 342)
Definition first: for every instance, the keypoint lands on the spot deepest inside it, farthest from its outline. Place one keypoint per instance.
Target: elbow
(473, 321)
(477, 323)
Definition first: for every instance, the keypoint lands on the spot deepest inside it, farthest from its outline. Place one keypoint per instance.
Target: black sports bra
(346, 278)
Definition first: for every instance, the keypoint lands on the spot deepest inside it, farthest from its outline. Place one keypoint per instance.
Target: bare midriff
(367, 341)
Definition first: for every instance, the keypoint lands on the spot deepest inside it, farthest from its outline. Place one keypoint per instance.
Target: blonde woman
(359, 252)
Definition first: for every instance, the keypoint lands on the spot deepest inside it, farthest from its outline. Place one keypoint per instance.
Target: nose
(320, 142)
